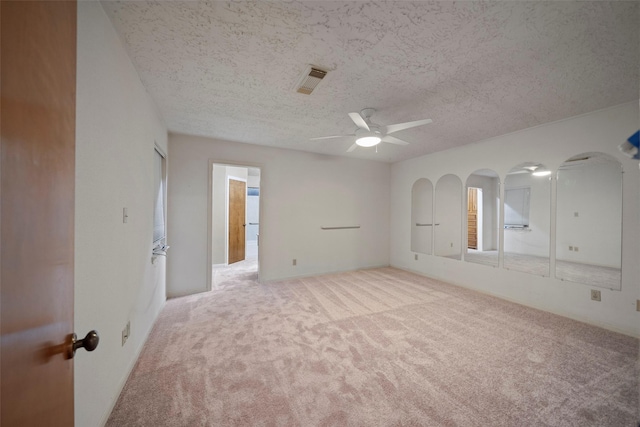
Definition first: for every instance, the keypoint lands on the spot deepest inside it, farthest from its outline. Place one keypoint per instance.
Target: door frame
(237, 164)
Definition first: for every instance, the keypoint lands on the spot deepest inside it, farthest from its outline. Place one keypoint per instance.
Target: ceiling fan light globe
(368, 141)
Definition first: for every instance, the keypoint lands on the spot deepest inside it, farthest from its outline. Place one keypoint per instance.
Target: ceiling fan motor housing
(366, 113)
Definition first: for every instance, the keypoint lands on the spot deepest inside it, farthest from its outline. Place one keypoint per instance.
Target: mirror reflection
(483, 208)
(589, 220)
(448, 217)
(527, 218)
(422, 216)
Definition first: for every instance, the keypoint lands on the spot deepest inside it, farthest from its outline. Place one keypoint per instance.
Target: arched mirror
(422, 216)
(483, 217)
(448, 217)
(527, 218)
(589, 220)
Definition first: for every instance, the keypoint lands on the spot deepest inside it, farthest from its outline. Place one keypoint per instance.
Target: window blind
(158, 185)
(516, 207)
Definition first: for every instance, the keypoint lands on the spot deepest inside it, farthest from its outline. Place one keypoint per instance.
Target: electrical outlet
(595, 295)
(125, 215)
(571, 248)
(575, 249)
(416, 257)
(638, 305)
(451, 244)
(295, 262)
(576, 214)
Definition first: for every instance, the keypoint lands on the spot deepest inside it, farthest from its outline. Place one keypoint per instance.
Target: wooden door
(237, 216)
(37, 182)
(472, 218)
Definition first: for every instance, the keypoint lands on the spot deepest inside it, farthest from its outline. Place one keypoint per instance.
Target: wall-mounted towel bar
(517, 227)
(424, 225)
(340, 228)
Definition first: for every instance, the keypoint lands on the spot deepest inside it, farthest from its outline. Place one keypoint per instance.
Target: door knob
(89, 343)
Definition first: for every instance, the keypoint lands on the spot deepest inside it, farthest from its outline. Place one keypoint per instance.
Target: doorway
(234, 222)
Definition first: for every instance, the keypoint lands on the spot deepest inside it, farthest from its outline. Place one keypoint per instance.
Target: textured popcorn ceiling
(228, 70)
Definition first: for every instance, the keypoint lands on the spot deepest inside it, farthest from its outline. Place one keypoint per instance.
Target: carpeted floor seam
(376, 347)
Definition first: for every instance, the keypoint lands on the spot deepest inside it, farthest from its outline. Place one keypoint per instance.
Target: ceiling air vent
(310, 79)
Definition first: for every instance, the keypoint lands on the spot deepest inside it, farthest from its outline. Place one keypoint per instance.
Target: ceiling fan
(369, 134)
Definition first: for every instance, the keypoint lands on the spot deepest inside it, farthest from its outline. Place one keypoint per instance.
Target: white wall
(300, 192)
(549, 144)
(253, 212)
(422, 213)
(115, 281)
(253, 181)
(219, 212)
(448, 217)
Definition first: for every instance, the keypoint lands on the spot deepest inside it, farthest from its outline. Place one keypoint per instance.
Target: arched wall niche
(482, 217)
(527, 218)
(448, 217)
(589, 220)
(422, 216)
(587, 213)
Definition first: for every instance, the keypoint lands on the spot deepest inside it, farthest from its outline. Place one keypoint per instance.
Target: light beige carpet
(377, 347)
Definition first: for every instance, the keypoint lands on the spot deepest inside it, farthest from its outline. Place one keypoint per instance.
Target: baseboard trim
(134, 360)
(581, 319)
(321, 273)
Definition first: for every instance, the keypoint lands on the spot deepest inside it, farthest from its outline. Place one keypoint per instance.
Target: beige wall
(300, 192)
(116, 129)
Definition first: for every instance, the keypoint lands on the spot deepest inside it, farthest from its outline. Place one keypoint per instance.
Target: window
(516, 207)
(159, 233)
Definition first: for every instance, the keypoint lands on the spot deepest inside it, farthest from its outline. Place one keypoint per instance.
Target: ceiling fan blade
(359, 121)
(393, 140)
(402, 126)
(353, 147)
(329, 137)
